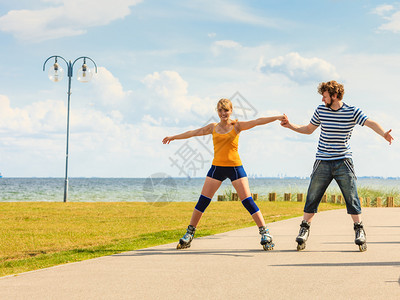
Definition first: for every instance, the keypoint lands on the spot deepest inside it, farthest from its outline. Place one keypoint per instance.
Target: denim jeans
(342, 171)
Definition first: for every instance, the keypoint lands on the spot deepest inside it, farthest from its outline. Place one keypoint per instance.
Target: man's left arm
(379, 130)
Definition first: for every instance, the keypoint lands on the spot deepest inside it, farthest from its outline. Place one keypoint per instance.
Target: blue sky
(163, 65)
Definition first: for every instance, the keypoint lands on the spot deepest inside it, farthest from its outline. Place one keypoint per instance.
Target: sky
(163, 65)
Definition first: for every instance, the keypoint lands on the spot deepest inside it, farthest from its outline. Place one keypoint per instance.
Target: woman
(226, 164)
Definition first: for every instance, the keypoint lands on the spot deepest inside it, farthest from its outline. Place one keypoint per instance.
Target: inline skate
(186, 240)
(361, 238)
(266, 238)
(303, 235)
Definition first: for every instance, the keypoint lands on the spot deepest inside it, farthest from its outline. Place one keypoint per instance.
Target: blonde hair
(226, 104)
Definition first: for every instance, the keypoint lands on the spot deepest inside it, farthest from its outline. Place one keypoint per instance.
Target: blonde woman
(226, 164)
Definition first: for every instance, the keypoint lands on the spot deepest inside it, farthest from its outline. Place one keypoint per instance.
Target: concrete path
(234, 266)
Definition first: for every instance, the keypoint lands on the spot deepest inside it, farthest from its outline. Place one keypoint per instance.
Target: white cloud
(69, 18)
(382, 9)
(108, 88)
(389, 14)
(168, 84)
(12, 118)
(393, 24)
(102, 142)
(227, 44)
(149, 119)
(32, 140)
(228, 11)
(223, 46)
(48, 118)
(41, 117)
(300, 69)
(170, 96)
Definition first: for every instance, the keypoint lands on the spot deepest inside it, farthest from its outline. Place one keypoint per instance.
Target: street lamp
(56, 73)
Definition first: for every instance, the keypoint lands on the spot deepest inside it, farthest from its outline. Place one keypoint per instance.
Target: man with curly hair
(334, 156)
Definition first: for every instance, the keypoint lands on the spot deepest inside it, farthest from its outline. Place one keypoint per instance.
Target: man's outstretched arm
(379, 130)
(304, 129)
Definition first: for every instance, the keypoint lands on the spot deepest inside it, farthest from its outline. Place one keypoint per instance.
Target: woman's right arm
(191, 133)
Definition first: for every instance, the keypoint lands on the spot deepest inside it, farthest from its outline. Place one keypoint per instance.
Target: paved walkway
(232, 265)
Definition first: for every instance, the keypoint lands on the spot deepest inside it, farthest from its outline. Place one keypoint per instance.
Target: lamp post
(56, 73)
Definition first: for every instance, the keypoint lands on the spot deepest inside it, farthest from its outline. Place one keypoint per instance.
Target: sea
(157, 188)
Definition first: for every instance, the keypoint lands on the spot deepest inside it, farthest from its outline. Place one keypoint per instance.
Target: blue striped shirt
(336, 129)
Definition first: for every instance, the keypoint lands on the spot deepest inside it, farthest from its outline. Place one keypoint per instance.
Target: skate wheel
(301, 246)
(363, 247)
(268, 247)
(182, 246)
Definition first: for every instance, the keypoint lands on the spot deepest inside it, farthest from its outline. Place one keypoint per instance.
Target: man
(334, 157)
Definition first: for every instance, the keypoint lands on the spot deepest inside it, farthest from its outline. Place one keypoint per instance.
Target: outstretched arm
(245, 125)
(304, 129)
(191, 133)
(379, 130)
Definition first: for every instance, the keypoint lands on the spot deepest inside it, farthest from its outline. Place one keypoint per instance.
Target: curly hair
(332, 87)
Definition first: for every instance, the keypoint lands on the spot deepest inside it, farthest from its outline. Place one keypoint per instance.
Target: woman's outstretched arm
(245, 125)
(191, 133)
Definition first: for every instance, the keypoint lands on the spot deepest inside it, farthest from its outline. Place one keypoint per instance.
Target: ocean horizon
(157, 188)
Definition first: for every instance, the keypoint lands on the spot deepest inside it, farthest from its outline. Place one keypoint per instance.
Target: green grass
(365, 192)
(37, 235)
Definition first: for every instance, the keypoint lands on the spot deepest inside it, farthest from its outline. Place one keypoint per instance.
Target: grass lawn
(35, 235)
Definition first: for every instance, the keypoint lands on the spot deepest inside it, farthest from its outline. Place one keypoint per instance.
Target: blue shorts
(221, 173)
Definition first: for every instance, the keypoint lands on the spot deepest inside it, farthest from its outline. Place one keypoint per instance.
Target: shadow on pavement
(378, 226)
(172, 251)
(222, 252)
(368, 242)
(357, 264)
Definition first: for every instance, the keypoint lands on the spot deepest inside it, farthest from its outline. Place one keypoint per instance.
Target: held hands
(281, 117)
(387, 136)
(285, 121)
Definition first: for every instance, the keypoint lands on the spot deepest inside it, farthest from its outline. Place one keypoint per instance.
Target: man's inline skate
(266, 239)
(187, 239)
(303, 235)
(361, 238)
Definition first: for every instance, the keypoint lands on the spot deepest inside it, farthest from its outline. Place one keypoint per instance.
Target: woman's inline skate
(266, 239)
(187, 239)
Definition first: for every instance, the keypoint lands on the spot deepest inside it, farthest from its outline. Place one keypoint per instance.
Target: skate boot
(361, 238)
(266, 238)
(186, 240)
(303, 235)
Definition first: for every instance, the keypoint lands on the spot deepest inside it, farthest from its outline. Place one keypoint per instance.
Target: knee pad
(202, 203)
(250, 205)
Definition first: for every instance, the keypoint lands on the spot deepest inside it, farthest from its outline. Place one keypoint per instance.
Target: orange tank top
(226, 149)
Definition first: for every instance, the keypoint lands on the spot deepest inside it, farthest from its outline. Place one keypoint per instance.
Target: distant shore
(170, 189)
